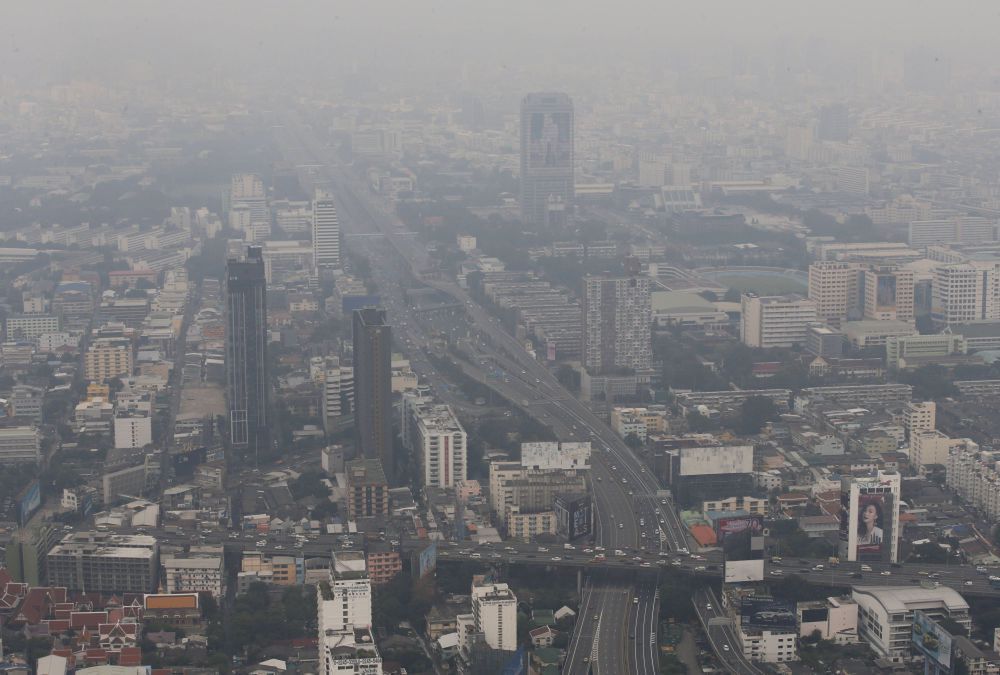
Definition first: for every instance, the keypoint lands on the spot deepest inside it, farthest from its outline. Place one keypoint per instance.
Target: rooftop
(899, 599)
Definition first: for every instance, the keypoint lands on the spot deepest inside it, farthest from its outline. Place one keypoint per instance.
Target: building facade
(325, 232)
(248, 385)
(373, 387)
(617, 324)
(547, 158)
(776, 321)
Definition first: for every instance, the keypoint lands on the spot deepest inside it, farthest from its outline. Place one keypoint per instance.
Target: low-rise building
(19, 445)
(885, 619)
(836, 619)
(202, 574)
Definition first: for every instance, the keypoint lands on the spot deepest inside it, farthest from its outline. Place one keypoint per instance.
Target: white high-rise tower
(326, 232)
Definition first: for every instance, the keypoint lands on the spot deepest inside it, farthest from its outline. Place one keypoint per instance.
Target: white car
(726, 647)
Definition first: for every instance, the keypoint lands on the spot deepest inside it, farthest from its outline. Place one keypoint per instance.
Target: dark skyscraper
(247, 381)
(373, 387)
(546, 157)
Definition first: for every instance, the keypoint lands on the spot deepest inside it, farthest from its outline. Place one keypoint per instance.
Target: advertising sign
(427, 560)
(574, 515)
(759, 613)
(873, 526)
(931, 640)
(550, 140)
(29, 499)
(743, 571)
(738, 536)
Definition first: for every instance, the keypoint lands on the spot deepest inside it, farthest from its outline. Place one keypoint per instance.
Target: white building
(494, 608)
(30, 327)
(974, 476)
(19, 444)
(879, 491)
(133, 430)
(889, 293)
(934, 447)
(326, 232)
(833, 286)
(910, 350)
(617, 323)
(344, 618)
(338, 392)
(442, 442)
(547, 455)
(768, 646)
(776, 321)
(836, 619)
(284, 260)
(189, 575)
(852, 179)
(967, 291)
(885, 619)
(919, 416)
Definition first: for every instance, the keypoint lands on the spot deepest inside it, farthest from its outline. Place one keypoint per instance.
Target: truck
(832, 561)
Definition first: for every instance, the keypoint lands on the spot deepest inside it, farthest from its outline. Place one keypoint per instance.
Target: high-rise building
(373, 387)
(105, 563)
(776, 321)
(494, 607)
(617, 316)
(869, 529)
(889, 293)
(834, 123)
(107, 359)
(248, 199)
(367, 489)
(919, 416)
(344, 618)
(247, 390)
(963, 292)
(833, 286)
(547, 182)
(326, 232)
(338, 392)
(442, 443)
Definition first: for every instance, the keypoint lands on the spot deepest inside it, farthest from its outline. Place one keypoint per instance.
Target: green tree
(755, 412)
(633, 441)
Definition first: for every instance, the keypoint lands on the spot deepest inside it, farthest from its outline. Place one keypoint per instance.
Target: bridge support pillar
(579, 583)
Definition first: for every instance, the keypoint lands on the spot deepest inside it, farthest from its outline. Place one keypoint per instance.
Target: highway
(619, 505)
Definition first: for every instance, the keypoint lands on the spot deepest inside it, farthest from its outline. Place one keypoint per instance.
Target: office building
(345, 601)
(133, 429)
(966, 291)
(201, 574)
(617, 324)
(367, 489)
(30, 327)
(870, 517)
(768, 646)
(913, 351)
(248, 385)
(325, 232)
(98, 563)
(19, 445)
(494, 608)
(547, 160)
(26, 552)
(107, 359)
(441, 444)
(889, 293)
(338, 392)
(373, 387)
(833, 286)
(885, 615)
(247, 201)
(285, 261)
(776, 320)
(956, 230)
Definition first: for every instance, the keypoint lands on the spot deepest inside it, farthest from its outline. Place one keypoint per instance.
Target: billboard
(743, 571)
(758, 613)
(427, 560)
(29, 499)
(866, 526)
(550, 140)
(885, 290)
(742, 537)
(931, 640)
(715, 460)
(574, 516)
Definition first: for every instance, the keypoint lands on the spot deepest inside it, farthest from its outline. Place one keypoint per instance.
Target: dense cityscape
(494, 360)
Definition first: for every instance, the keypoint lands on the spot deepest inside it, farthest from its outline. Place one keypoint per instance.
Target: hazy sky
(54, 39)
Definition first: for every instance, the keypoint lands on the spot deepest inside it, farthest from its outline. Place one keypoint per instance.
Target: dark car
(858, 575)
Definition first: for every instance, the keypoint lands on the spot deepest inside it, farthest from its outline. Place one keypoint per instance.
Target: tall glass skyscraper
(247, 382)
(547, 187)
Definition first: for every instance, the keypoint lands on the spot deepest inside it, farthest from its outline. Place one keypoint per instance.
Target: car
(708, 606)
(776, 573)
(600, 480)
(508, 548)
(588, 550)
(969, 582)
(542, 549)
(596, 617)
(662, 522)
(646, 564)
(624, 480)
(631, 636)
(858, 575)
(699, 568)
(635, 601)
(476, 555)
(725, 647)
(621, 525)
(885, 573)
(677, 563)
(663, 501)
(556, 558)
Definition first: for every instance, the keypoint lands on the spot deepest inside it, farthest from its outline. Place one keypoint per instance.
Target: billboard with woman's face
(873, 526)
